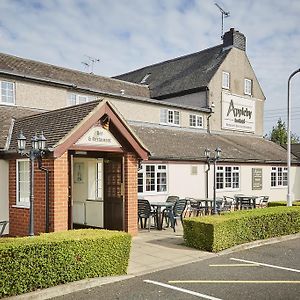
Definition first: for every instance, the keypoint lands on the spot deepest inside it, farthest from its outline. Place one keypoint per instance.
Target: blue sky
(129, 34)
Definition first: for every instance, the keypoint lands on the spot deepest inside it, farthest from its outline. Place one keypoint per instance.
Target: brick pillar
(130, 193)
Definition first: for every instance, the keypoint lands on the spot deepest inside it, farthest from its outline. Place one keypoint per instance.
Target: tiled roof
(179, 75)
(295, 148)
(37, 70)
(7, 113)
(55, 124)
(187, 144)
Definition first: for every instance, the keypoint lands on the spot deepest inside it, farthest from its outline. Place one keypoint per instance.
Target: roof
(25, 68)
(181, 75)
(7, 114)
(189, 144)
(295, 149)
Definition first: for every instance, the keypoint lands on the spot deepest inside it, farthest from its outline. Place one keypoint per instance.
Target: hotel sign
(238, 113)
(98, 136)
(256, 178)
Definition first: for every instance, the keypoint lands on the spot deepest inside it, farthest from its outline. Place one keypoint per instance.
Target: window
(168, 116)
(74, 99)
(99, 180)
(23, 182)
(225, 80)
(196, 121)
(227, 177)
(278, 176)
(152, 178)
(248, 87)
(7, 92)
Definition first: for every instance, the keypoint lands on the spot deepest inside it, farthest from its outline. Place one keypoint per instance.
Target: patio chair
(263, 202)
(3, 225)
(195, 207)
(227, 204)
(245, 202)
(177, 212)
(165, 212)
(145, 212)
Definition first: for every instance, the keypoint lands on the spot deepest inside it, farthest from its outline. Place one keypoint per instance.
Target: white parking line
(265, 265)
(182, 290)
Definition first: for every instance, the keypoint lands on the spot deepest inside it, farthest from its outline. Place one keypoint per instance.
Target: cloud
(129, 34)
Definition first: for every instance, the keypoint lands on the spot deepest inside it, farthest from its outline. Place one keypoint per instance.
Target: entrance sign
(256, 178)
(238, 113)
(98, 136)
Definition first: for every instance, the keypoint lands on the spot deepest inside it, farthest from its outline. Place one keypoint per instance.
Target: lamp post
(38, 147)
(214, 160)
(288, 197)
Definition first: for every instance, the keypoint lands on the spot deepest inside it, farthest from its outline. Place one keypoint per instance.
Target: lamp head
(42, 142)
(207, 153)
(21, 142)
(218, 152)
(34, 142)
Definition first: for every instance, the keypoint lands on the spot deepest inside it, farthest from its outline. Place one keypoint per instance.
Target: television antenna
(89, 64)
(224, 14)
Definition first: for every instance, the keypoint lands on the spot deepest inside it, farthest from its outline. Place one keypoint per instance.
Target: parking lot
(266, 272)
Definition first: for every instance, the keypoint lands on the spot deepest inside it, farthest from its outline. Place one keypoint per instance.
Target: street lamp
(214, 160)
(38, 147)
(288, 197)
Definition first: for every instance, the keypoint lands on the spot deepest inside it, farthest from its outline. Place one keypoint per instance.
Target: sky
(111, 37)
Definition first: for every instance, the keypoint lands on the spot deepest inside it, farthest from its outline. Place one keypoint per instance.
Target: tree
(279, 134)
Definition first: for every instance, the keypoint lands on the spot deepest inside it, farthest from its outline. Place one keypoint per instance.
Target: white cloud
(128, 34)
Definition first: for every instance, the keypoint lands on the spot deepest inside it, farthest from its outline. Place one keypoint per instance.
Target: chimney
(234, 38)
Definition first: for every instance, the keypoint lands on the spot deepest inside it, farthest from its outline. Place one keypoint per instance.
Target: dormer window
(145, 78)
(248, 86)
(225, 80)
(170, 117)
(7, 92)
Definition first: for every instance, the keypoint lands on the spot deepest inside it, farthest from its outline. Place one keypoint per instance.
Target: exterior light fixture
(213, 159)
(38, 148)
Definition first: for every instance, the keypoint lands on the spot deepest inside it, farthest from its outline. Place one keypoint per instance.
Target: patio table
(242, 198)
(158, 206)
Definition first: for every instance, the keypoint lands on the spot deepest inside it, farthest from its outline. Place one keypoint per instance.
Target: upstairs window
(74, 99)
(196, 121)
(7, 92)
(170, 117)
(248, 87)
(225, 80)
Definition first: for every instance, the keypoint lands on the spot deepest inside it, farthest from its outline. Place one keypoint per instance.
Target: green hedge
(31, 263)
(282, 203)
(216, 233)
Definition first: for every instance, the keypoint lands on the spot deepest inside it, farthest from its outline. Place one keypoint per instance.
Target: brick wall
(130, 193)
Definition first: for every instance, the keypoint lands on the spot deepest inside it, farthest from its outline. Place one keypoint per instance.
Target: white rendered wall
(4, 201)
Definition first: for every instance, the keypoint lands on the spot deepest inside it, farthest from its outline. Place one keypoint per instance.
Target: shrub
(282, 203)
(31, 263)
(216, 233)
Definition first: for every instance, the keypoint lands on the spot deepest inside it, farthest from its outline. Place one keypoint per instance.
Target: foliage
(279, 134)
(282, 203)
(219, 232)
(31, 263)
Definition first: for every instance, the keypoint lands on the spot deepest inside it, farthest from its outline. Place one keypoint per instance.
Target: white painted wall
(4, 200)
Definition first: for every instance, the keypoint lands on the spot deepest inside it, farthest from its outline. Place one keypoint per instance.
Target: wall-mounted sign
(256, 178)
(238, 113)
(98, 136)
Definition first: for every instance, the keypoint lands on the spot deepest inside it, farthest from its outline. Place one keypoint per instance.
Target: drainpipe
(210, 114)
(206, 172)
(47, 194)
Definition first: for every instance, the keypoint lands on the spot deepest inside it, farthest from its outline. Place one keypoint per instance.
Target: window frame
(278, 177)
(160, 171)
(225, 80)
(13, 93)
(230, 176)
(24, 204)
(248, 82)
(169, 116)
(77, 97)
(197, 118)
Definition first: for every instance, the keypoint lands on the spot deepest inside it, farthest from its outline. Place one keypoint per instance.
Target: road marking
(182, 290)
(235, 265)
(265, 265)
(234, 281)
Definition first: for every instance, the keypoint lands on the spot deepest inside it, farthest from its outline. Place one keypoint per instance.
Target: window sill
(8, 104)
(21, 206)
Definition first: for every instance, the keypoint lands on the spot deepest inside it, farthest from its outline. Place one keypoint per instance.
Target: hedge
(31, 263)
(282, 203)
(216, 233)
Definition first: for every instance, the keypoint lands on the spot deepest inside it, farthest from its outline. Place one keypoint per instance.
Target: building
(140, 134)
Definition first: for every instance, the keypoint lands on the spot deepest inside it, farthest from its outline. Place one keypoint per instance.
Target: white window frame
(78, 98)
(231, 178)
(278, 177)
(248, 87)
(196, 121)
(23, 203)
(170, 117)
(225, 80)
(4, 95)
(157, 169)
